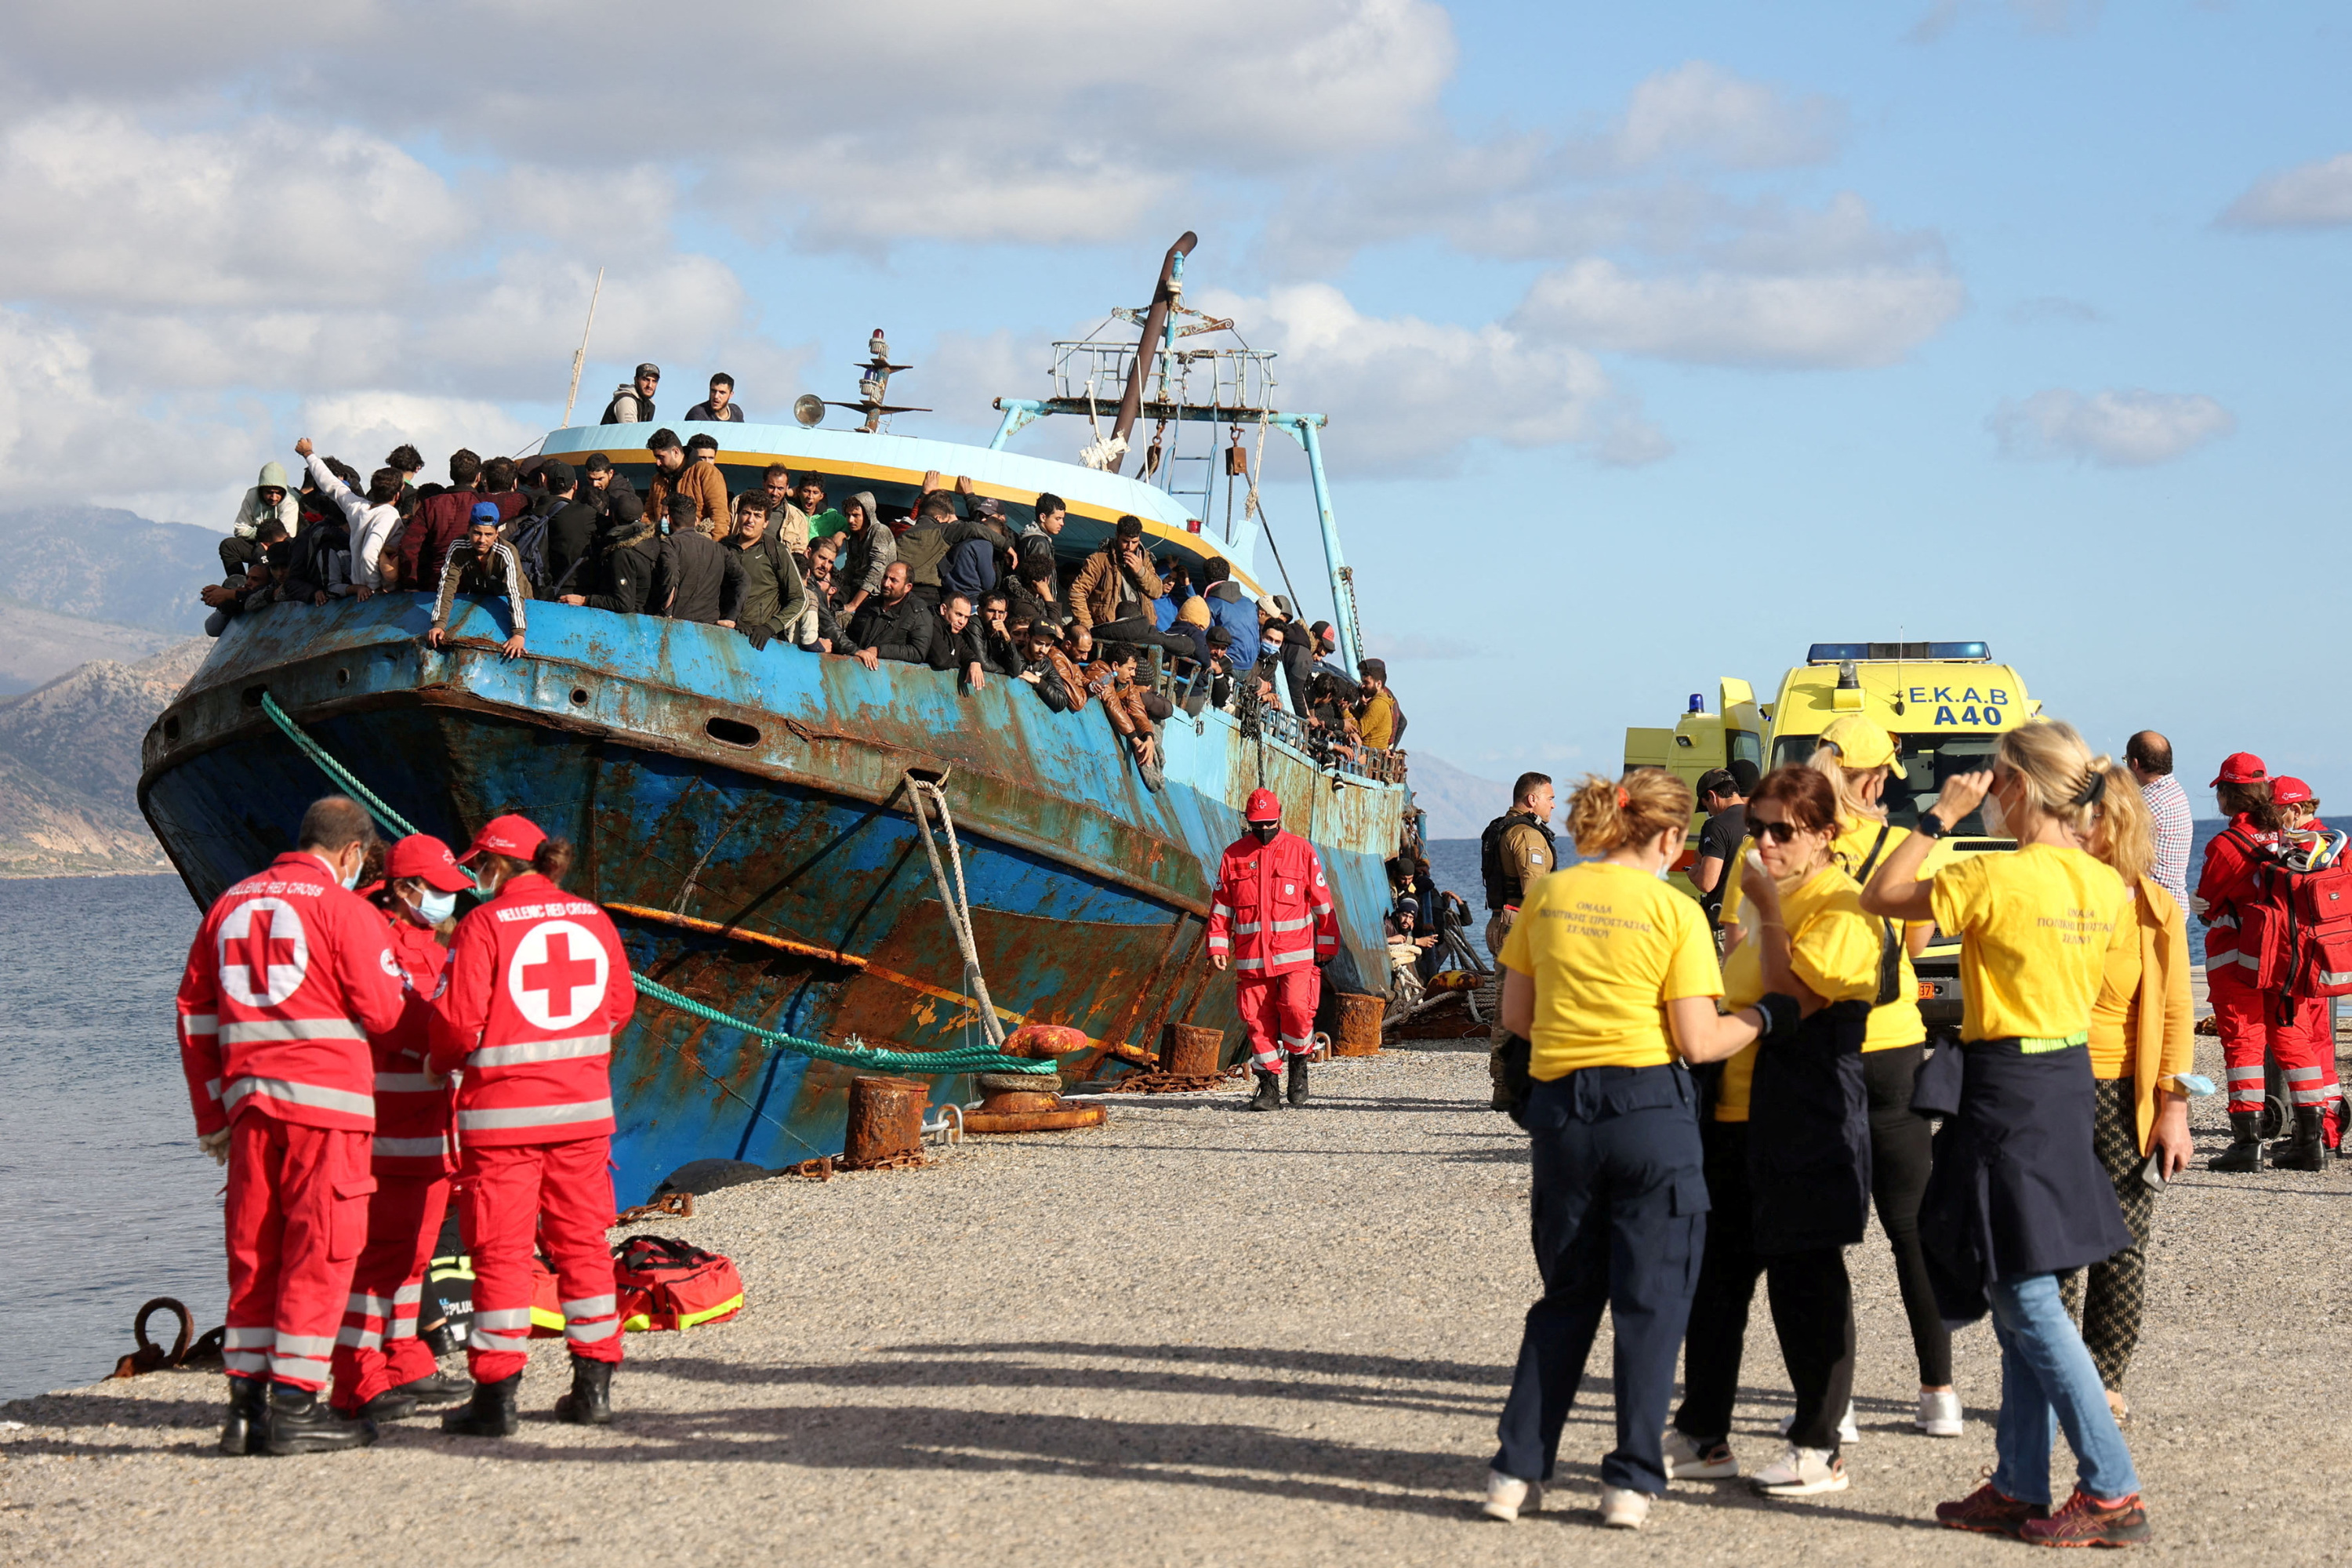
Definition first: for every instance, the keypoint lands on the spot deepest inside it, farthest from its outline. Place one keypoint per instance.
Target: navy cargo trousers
(1619, 1221)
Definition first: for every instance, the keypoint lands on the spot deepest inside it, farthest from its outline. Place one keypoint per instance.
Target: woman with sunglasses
(1788, 1158)
(2017, 1196)
(2142, 1030)
(1858, 757)
(1611, 976)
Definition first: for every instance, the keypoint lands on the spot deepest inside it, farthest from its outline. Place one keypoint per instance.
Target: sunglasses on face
(1772, 832)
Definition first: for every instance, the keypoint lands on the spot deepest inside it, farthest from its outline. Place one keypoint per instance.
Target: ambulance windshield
(1927, 761)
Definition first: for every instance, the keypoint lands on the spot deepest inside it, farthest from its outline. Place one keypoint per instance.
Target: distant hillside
(1459, 805)
(100, 564)
(42, 645)
(70, 765)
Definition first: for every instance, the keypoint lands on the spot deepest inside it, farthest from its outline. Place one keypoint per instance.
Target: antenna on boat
(581, 358)
(872, 387)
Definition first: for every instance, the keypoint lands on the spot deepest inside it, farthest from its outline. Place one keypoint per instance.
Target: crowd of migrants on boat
(951, 586)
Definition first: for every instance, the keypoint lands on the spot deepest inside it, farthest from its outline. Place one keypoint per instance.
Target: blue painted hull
(743, 812)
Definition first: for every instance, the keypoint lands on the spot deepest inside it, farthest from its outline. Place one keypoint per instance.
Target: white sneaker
(1687, 1461)
(1507, 1495)
(1621, 1507)
(1939, 1412)
(1800, 1472)
(1847, 1431)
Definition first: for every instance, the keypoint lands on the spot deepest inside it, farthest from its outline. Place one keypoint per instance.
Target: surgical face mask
(434, 907)
(1996, 821)
(1265, 831)
(350, 878)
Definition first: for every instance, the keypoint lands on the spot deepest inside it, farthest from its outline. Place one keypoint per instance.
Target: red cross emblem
(264, 952)
(557, 975)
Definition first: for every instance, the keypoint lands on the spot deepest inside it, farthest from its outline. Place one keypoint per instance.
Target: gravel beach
(1197, 1335)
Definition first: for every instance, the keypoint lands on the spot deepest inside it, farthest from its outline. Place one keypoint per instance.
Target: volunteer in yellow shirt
(2018, 1197)
(2143, 1035)
(1611, 976)
(1859, 758)
(1787, 1147)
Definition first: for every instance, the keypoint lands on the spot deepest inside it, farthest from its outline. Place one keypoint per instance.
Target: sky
(1656, 341)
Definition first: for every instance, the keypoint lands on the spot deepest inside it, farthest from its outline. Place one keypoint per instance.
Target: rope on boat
(956, 901)
(852, 1052)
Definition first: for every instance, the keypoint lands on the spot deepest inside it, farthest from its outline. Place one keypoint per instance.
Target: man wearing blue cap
(484, 563)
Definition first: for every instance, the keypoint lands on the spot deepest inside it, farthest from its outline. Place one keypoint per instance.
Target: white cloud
(2311, 195)
(363, 427)
(1700, 109)
(1839, 319)
(1406, 396)
(2116, 429)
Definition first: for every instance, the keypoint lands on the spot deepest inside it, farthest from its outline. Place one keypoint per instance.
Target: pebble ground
(1198, 1336)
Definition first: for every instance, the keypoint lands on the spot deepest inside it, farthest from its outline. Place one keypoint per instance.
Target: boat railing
(1240, 381)
(1173, 679)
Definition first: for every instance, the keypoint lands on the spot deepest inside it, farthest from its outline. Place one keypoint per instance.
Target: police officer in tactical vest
(1513, 852)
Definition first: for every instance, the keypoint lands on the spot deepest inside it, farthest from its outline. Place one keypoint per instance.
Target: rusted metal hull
(743, 814)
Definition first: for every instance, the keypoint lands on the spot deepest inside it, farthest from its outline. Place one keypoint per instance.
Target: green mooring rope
(928, 1064)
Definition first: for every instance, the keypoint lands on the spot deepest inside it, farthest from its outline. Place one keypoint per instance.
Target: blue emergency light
(1698, 703)
(1839, 652)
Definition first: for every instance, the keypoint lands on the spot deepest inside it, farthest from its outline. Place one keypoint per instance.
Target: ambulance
(1944, 703)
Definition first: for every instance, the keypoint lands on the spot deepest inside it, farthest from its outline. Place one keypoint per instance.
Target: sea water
(107, 1200)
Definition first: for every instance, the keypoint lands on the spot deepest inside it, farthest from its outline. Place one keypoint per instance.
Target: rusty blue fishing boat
(747, 814)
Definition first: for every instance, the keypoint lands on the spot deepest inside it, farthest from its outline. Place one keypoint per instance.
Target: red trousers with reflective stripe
(560, 1196)
(296, 1213)
(378, 1348)
(1278, 1012)
(2238, 1012)
(2305, 1048)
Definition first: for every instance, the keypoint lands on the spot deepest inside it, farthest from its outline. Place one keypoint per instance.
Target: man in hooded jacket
(270, 499)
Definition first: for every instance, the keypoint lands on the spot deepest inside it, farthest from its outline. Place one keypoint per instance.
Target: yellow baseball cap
(1862, 744)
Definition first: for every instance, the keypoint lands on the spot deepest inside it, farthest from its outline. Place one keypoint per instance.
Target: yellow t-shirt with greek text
(1608, 947)
(2034, 925)
(1833, 951)
(1898, 1023)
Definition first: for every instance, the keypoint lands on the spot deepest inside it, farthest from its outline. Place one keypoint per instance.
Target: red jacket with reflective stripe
(412, 1116)
(286, 977)
(538, 987)
(2229, 881)
(1272, 910)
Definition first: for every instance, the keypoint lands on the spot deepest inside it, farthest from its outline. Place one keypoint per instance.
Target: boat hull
(743, 815)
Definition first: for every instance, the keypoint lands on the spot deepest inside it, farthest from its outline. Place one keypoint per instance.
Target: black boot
(590, 1402)
(437, 1388)
(1298, 1080)
(1269, 1093)
(489, 1414)
(2308, 1151)
(2245, 1149)
(301, 1423)
(247, 1430)
(391, 1405)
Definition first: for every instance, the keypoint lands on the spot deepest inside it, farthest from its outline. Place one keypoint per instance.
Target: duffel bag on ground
(668, 1284)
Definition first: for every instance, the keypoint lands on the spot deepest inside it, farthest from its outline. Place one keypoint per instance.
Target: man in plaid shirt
(2149, 756)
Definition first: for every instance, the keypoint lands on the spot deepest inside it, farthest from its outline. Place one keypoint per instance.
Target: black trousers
(1900, 1143)
(1812, 1312)
(1143, 631)
(1619, 1217)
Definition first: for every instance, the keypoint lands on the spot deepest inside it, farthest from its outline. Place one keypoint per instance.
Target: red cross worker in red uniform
(287, 976)
(538, 987)
(382, 1371)
(2302, 1039)
(1271, 917)
(2233, 903)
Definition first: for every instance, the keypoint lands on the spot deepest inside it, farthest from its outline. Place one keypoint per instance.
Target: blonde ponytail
(1604, 816)
(2061, 778)
(2121, 834)
(1852, 804)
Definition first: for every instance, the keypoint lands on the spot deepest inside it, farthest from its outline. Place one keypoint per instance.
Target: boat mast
(1158, 334)
(581, 358)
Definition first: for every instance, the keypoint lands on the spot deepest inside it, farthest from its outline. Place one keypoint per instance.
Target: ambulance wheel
(2276, 1118)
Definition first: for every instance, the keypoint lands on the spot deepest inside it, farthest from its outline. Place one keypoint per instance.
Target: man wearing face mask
(1270, 892)
(382, 1371)
(288, 975)
(538, 987)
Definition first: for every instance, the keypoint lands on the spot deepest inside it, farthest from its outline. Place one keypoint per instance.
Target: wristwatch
(1931, 825)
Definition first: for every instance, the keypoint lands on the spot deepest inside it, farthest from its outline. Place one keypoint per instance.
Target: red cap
(516, 837)
(2290, 792)
(2241, 767)
(1265, 806)
(421, 855)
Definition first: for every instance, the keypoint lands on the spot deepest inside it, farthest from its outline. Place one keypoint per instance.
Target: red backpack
(668, 1284)
(2314, 916)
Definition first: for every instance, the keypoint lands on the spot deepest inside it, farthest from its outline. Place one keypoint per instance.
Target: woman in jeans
(2142, 1036)
(1788, 1148)
(1611, 976)
(2017, 1196)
